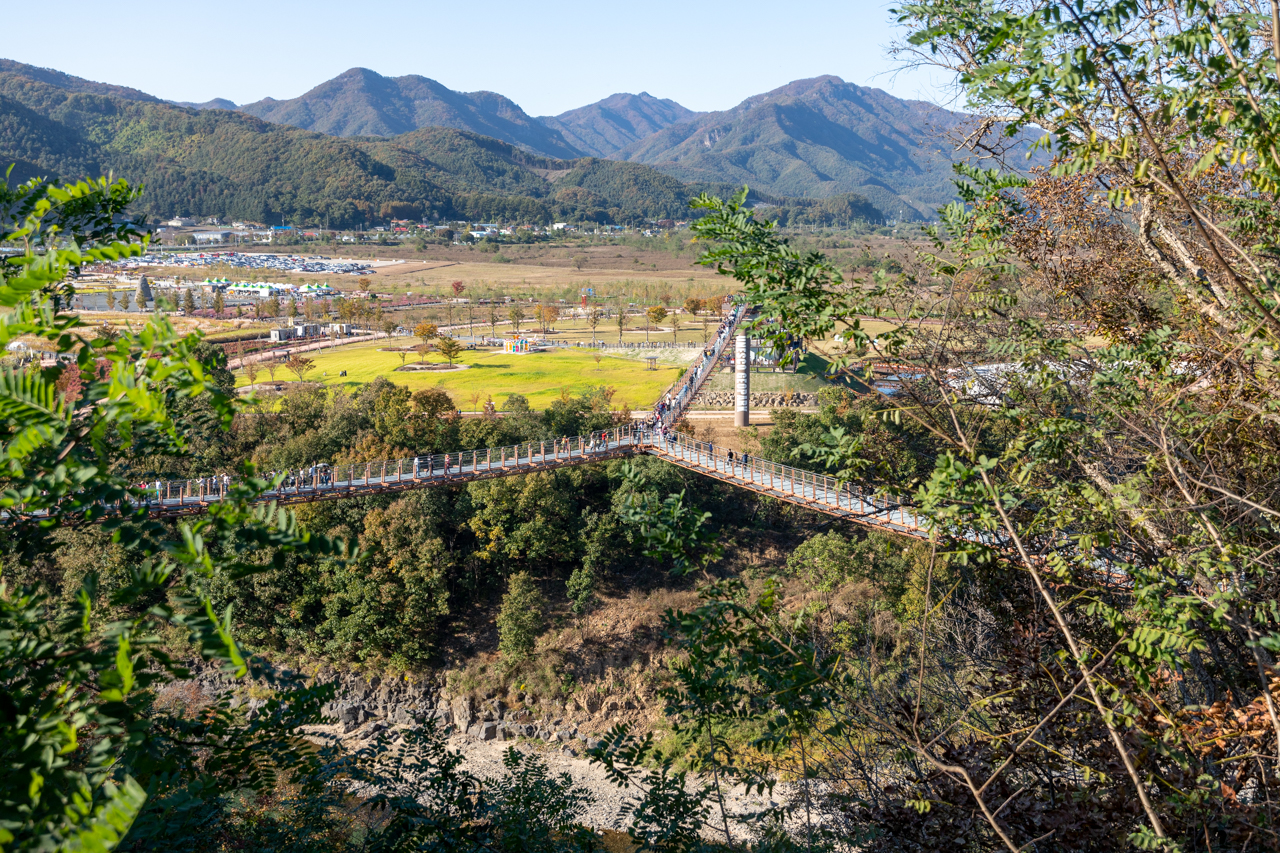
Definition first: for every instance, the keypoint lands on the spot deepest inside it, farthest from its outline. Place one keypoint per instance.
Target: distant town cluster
(185, 231)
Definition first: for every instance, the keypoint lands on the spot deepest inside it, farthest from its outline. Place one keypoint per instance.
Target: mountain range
(353, 145)
(808, 139)
(217, 162)
(606, 127)
(360, 102)
(815, 138)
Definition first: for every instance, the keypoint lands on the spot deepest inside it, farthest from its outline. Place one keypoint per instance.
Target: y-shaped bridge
(168, 499)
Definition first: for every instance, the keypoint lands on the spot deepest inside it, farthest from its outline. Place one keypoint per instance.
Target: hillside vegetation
(216, 162)
(223, 163)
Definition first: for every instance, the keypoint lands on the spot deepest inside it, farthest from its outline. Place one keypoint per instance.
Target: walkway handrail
(324, 480)
(820, 492)
(753, 467)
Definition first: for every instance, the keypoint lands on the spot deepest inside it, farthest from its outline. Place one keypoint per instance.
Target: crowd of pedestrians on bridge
(667, 410)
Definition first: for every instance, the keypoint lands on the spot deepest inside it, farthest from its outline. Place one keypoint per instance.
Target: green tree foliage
(581, 589)
(516, 315)
(1105, 504)
(521, 619)
(386, 606)
(88, 758)
(450, 348)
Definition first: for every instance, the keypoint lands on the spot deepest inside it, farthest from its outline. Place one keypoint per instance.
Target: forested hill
(360, 102)
(602, 128)
(816, 138)
(67, 83)
(217, 162)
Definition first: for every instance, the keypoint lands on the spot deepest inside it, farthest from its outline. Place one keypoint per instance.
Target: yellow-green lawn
(541, 376)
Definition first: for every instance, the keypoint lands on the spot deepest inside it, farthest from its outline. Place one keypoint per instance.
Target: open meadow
(541, 377)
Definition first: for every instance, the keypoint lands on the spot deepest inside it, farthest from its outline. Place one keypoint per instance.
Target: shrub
(825, 561)
(581, 588)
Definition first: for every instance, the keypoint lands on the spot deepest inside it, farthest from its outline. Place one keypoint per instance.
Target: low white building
(213, 236)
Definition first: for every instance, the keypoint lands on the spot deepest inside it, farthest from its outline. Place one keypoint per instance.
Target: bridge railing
(392, 472)
(790, 479)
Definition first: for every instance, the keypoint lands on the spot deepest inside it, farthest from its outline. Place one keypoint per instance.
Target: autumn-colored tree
(422, 350)
(547, 316)
(457, 287)
(654, 315)
(516, 315)
(426, 331)
(299, 366)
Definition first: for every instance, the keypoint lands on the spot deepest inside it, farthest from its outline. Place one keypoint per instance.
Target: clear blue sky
(548, 56)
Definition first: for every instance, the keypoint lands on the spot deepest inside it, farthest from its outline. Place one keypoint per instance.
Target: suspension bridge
(176, 498)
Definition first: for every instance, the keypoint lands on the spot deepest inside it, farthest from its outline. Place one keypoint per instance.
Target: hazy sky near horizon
(548, 57)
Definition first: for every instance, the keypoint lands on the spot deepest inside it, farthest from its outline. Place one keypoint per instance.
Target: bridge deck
(784, 482)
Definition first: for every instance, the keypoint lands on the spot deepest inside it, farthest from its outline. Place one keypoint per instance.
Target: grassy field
(541, 377)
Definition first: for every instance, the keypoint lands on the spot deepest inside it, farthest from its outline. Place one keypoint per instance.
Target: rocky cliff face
(364, 706)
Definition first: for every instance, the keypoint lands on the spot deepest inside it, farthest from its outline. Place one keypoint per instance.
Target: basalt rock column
(742, 381)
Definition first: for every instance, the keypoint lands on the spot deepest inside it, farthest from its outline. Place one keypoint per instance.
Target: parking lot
(313, 265)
